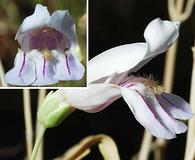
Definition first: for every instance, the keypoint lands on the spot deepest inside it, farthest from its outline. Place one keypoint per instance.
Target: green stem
(38, 142)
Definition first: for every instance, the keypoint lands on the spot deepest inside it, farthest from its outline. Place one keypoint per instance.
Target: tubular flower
(48, 45)
(154, 109)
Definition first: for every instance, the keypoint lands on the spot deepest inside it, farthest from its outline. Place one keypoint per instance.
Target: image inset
(52, 47)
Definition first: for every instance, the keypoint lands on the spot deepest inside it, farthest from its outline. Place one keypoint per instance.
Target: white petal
(62, 21)
(23, 72)
(160, 35)
(93, 99)
(68, 67)
(145, 115)
(39, 18)
(176, 106)
(119, 59)
(45, 73)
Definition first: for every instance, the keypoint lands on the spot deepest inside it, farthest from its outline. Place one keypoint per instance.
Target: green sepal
(52, 112)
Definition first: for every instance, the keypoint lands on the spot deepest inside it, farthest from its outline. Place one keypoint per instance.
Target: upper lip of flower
(131, 57)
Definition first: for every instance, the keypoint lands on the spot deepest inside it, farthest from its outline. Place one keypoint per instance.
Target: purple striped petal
(145, 115)
(23, 72)
(68, 67)
(165, 119)
(176, 106)
(44, 70)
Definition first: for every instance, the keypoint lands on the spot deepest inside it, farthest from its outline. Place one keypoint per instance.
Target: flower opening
(46, 38)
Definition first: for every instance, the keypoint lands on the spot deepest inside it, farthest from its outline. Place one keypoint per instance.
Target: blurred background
(111, 23)
(13, 12)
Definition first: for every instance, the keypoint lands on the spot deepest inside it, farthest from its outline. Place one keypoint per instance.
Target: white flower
(48, 45)
(154, 109)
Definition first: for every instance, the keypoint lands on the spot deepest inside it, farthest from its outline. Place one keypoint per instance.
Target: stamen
(67, 64)
(47, 54)
(151, 83)
(154, 85)
(23, 63)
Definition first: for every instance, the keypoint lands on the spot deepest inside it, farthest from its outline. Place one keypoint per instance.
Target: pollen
(47, 55)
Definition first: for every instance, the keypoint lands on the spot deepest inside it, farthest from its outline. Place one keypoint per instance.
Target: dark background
(111, 23)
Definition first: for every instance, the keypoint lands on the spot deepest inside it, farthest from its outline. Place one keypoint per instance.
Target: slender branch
(169, 68)
(41, 96)
(172, 9)
(188, 10)
(179, 5)
(28, 121)
(176, 13)
(191, 124)
(38, 142)
(192, 152)
(145, 146)
(106, 144)
(2, 73)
